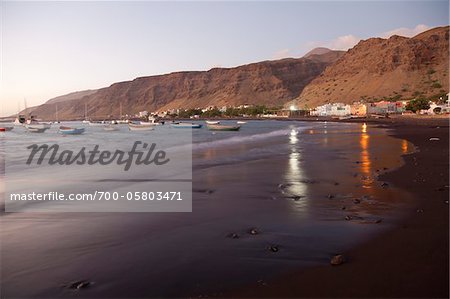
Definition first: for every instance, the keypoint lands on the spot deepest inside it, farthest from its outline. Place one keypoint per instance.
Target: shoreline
(410, 260)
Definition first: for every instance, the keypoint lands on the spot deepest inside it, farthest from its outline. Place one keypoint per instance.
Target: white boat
(111, 128)
(212, 122)
(140, 127)
(96, 124)
(241, 122)
(36, 129)
(85, 121)
(152, 121)
(186, 125)
(122, 121)
(148, 123)
(38, 125)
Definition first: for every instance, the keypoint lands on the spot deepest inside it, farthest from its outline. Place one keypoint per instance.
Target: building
(292, 113)
(358, 109)
(437, 109)
(335, 109)
(143, 113)
(385, 107)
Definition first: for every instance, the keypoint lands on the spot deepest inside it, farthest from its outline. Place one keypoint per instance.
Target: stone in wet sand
(233, 236)
(253, 231)
(80, 284)
(273, 248)
(337, 260)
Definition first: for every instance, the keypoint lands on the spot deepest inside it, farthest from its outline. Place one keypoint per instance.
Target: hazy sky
(52, 48)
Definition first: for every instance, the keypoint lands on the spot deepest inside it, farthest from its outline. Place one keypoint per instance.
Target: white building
(143, 113)
(437, 109)
(335, 109)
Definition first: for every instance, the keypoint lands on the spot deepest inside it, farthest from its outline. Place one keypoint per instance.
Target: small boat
(36, 129)
(71, 131)
(140, 127)
(148, 123)
(96, 123)
(85, 121)
(38, 125)
(20, 120)
(186, 125)
(6, 129)
(152, 121)
(111, 128)
(241, 122)
(223, 128)
(212, 122)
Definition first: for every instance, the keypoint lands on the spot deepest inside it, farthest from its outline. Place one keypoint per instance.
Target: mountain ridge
(378, 68)
(270, 83)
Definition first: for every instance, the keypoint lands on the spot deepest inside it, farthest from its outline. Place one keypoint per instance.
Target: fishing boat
(140, 127)
(38, 125)
(111, 128)
(186, 126)
(212, 122)
(223, 128)
(36, 129)
(96, 123)
(6, 129)
(152, 121)
(241, 122)
(20, 120)
(71, 131)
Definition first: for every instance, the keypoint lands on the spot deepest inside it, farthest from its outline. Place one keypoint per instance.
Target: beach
(410, 260)
(271, 205)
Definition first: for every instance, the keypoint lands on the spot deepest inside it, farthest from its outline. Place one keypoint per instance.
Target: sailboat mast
(56, 113)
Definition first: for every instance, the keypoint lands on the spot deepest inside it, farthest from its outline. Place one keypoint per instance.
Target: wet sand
(285, 197)
(408, 261)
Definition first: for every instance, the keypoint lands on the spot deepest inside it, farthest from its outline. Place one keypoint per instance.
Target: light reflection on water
(294, 172)
(365, 157)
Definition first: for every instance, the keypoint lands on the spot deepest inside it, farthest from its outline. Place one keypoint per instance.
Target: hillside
(72, 96)
(395, 68)
(270, 83)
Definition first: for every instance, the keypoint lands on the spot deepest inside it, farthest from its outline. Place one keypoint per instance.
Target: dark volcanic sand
(160, 255)
(411, 260)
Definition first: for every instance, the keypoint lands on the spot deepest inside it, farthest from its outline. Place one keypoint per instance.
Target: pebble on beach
(274, 248)
(233, 236)
(253, 231)
(337, 260)
(80, 284)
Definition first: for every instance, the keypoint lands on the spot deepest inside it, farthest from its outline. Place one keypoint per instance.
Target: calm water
(294, 182)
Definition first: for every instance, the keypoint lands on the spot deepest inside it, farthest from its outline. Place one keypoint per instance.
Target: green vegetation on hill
(230, 112)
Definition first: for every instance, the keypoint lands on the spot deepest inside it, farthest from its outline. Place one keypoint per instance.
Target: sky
(52, 48)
